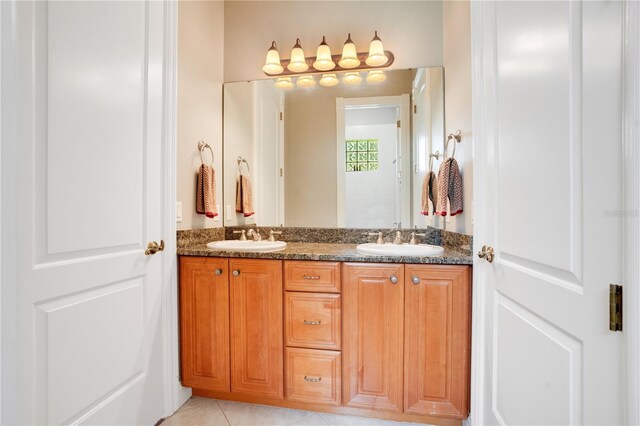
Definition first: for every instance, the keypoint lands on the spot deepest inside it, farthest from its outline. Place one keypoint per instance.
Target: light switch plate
(227, 213)
(178, 211)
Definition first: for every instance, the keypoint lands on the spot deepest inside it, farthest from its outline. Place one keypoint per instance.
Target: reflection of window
(361, 155)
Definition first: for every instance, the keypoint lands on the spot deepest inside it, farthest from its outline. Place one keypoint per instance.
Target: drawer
(313, 376)
(312, 276)
(313, 320)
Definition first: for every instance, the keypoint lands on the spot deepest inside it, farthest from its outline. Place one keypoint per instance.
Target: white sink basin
(389, 249)
(249, 245)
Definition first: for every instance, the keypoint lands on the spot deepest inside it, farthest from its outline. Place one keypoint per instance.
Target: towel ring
(240, 161)
(431, 157)
(457, 137)
(201, 147)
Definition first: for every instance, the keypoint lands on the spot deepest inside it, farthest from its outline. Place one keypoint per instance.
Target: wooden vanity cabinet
(204, 323)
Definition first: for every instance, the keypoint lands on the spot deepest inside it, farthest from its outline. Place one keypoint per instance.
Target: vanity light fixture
(352, 78)
(284, 83)
(329, 80)
(272, 65)
(349, 57)
(323, 61)
(376, 76)
(298, 61)
(350, 60)
(306, 81)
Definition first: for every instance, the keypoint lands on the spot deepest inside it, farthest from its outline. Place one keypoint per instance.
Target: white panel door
(89, 102)
(547, 112)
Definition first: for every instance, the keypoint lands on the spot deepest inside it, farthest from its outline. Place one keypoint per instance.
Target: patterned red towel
(206, 192)
(449, 188)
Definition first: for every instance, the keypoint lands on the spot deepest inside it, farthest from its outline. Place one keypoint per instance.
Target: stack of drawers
(313, 329)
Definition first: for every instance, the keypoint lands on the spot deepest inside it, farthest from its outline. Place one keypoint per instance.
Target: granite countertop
(326, 251)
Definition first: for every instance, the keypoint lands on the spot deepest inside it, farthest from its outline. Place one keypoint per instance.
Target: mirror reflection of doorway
(373, 161)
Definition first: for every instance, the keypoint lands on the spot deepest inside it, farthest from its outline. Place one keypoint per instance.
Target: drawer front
(312, 276)
(313, 376)
(313, 320)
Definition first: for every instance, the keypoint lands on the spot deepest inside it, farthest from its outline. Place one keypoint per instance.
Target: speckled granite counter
(325, 251)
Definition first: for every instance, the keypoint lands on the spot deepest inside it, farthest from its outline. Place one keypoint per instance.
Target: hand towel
(244, 197)
(449, 187)
(429, 193)
(206, 192)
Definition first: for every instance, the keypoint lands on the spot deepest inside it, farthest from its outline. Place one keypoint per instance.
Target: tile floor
(211, 412)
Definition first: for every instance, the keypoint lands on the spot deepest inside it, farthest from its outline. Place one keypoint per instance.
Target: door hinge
(399, 124)
(280, 116)
(281, 174)
(415, 109)
(615, 307)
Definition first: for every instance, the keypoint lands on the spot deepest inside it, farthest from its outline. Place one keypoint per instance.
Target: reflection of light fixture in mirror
(329, 80)
(284, 83)
(376, 77)
(349, 55)
(352, 78)
(306, 81)
(298, 62)
(324, 62)
(272, 64)
(376, 56)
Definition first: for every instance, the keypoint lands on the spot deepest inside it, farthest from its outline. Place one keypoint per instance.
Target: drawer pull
(312, 322)
(312, 379)
(415, 280)
(393, 279)
(311, 277)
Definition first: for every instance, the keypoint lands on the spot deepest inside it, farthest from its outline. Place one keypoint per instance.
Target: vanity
(321, 327)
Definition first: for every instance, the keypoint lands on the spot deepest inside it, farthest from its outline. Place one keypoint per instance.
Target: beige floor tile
(313, 420)
(340, 420)
(198, 411)
(241, 414)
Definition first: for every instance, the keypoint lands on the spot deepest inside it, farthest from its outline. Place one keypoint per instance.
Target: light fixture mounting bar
(362, 56)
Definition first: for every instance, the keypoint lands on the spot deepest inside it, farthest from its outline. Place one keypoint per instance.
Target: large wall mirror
(345, 156)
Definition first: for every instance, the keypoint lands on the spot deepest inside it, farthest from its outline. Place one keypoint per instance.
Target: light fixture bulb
(349, 55)
(376, 56)
(329, 80)
(324, 61)
(298, 62)
(376, 77)
(306, 81)
(352, 78)
(272, 64)
(284, 83)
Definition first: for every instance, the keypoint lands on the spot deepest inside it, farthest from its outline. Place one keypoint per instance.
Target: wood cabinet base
(350, 411)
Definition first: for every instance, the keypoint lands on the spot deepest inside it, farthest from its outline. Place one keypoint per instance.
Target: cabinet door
(372, 335)
(256, 327)
(204, 322)
(437, 340)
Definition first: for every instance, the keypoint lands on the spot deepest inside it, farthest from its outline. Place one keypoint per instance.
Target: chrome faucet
(255, 234)
(243, 236)
(398, 238)
(271, 233)
(413, 237)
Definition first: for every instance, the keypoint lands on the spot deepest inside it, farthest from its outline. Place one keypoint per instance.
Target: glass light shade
(329, 80)
(284, 83)
(306, 81)
(352, 78)
(323, 61)
(376, 77)
(349, 55)
(298, 62)
(272, 64)
(376, 53)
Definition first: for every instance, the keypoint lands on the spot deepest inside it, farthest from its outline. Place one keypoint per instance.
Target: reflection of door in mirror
(373, 158)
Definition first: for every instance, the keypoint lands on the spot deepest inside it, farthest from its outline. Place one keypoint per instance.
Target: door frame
(482, 107)
(404, 103)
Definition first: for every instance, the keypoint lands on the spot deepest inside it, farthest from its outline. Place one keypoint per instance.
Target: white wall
(200, 51)
(411, 29)
(457, 74)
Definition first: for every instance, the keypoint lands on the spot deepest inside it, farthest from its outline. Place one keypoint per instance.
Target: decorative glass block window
(361, 155)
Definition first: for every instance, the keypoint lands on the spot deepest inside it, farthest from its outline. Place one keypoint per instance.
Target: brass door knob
(487, 253)
(153, 247)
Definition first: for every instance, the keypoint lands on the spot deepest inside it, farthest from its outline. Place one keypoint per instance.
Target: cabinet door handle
(218, 271)
(393, 279)
(311, 277)
(312, 379)
(415, 280)
(236, 272)
(308, 322)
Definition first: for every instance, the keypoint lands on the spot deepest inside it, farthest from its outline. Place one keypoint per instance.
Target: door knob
(487, 253)
(153, 247)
